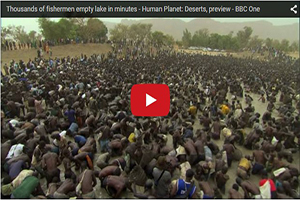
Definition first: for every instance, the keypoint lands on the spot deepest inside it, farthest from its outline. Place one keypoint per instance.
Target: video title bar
(149, 9)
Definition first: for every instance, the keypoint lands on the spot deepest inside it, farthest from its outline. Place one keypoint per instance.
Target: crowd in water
(66, 123)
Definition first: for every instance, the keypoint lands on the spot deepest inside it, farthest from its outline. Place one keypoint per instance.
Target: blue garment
(51, 63)
(257, 167)
(182, 188)
(208, 153)
(23, 79)
(15, 168)
(205, 196)
(71, 115)
(80, 140)
(188, 133)
(74, 151)
(73, 128)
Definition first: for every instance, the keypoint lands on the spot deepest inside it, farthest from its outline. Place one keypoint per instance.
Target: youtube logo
(150, 100)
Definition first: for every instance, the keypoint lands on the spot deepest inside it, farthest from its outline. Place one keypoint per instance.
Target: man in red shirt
(266, 180)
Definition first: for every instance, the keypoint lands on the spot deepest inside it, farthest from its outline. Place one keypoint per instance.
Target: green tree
(119, 32)
(284, 45)
(255, 42)
(294, 46)
(67, 28)
(19, 34)
(140, 31)
(6, 32)
(95, 28)
(228, 41)
(269, 42)
(32, 35)
(186, 38)
(235, 45)
(72, 28)
(201, 38)
(48, 29)
(158, 37)
(134, 32)
(169, 40)
(161, 39)
(215, 41)
(80, 24)
(276, 44)
(244, 36)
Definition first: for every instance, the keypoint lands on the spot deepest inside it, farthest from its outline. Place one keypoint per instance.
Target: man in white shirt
(15, 151)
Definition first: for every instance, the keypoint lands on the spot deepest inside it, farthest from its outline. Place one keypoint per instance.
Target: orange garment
(90, 162)
(193, 110)
(225, 110)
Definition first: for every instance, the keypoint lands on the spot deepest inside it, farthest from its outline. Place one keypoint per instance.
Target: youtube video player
(150, 99)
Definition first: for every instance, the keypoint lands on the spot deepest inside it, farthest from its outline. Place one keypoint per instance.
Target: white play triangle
(149, 100)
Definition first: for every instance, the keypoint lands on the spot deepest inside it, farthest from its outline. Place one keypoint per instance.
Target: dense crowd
(11, 45)
(66, 124)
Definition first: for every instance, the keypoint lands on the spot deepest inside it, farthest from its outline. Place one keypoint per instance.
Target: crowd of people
(67, 128)
(11, 45)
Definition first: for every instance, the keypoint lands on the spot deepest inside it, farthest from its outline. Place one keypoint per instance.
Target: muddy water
(259, 107)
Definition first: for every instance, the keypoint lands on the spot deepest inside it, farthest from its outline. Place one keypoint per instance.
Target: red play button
(150, 100)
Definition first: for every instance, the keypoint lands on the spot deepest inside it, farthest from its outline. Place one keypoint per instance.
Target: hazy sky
(31, 23)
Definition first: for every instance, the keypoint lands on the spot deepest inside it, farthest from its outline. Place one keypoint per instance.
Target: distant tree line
(68, 30)
(242, 40)
(76, 29)
(71, 28)
(140, 32)
(18, 34)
